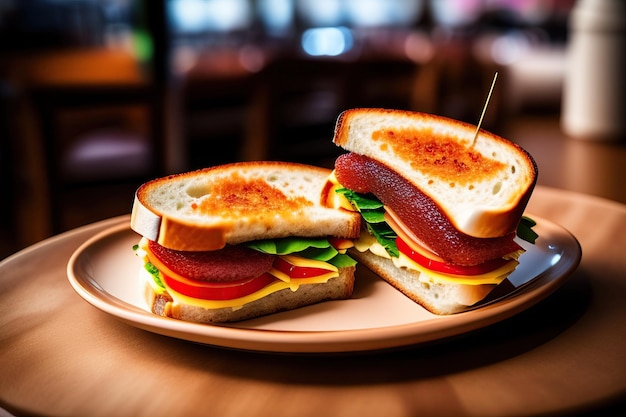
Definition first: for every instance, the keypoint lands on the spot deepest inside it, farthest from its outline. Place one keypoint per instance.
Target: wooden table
(61, 356)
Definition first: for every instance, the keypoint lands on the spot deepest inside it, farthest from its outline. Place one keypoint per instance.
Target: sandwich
(241, 240)
(441, 203)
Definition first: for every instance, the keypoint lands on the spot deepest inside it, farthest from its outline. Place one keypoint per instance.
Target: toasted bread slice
(206, 209)
(482, 186)
(435, 297)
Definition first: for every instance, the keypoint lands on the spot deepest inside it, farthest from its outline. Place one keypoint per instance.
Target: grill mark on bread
(482, 206)
(442, 156)
(236, 195)
(420, 213)
(163, 210)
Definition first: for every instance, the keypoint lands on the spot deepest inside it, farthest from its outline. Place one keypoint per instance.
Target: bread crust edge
(485, 223)
(458, 298)
(182, 235)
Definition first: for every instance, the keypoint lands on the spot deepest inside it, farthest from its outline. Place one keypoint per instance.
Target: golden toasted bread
(482, 186)
(206, 209)
(337, 288)
(438, 298)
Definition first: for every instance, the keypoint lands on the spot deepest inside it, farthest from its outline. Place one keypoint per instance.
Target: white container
(594, 104)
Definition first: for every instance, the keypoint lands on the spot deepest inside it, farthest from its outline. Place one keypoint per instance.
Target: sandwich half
(242, 240)
(441, 207)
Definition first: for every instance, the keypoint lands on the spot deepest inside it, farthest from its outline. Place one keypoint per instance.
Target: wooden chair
(87, 129)
(303, 97)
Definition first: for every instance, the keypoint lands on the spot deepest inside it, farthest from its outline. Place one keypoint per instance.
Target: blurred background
(97, 96)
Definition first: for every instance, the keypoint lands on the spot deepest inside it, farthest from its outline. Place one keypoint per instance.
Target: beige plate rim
(104, 261)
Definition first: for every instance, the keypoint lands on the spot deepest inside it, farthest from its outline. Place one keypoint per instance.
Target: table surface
(61, 356)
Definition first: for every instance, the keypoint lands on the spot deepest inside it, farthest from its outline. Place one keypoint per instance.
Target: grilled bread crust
(229, 204)
(441, 299)
(482, 186)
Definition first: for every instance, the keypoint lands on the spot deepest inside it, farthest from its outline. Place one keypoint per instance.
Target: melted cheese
(335, 199)
(368, 242)
(427, 275)
(237, 303)
(284, 281)
(308, 263)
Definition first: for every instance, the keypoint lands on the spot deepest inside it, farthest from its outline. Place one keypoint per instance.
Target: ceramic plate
(104, 271)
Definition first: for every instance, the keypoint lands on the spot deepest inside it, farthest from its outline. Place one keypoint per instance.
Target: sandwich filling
(429, 224)
(405, 226)
(239, 274)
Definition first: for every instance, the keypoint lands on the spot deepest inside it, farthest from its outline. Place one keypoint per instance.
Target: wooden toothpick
(493, 83)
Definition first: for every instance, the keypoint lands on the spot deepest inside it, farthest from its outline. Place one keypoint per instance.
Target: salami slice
(420, 213)
(232, 263)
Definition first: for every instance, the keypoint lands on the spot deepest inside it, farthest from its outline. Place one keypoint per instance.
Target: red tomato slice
(207, 290)
(218, 290)
(228, 264)
(449, 268)
(297, 271)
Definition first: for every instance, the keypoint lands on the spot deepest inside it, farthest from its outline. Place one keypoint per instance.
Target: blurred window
(276, 15)
(330, 41)
(360, 13)
(209, 15)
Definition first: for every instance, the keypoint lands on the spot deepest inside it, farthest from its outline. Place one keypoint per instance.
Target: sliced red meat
(231, 263)
(419, 212)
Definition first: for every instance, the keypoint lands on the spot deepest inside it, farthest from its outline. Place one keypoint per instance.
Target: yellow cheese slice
(308, 263)
(237, 303)
(285, 281)
(494, 277)
(368, 242)
(336, 199)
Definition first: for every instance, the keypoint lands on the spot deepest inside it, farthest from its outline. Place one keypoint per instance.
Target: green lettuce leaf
(373, 216)
(156, 276)
(341, 260)
(287, 245)
(318, 249)
(385, 236)
(525, 231)
(373, 212)
(361, 201)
